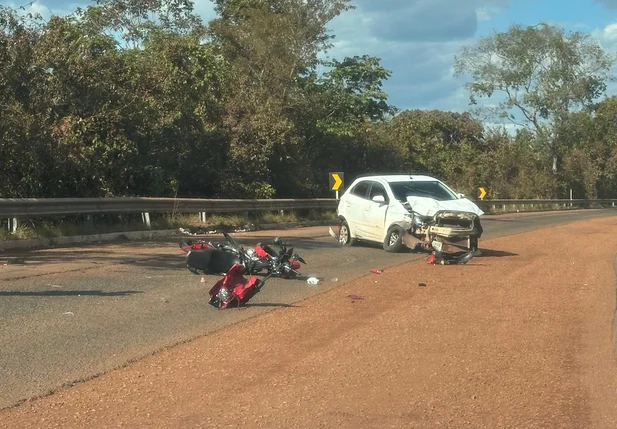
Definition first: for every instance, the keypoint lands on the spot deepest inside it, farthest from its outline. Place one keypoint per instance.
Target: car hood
(429, 207)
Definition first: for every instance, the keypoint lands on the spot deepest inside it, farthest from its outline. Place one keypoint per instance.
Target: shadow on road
(495, 253)
(151, 255)
(51, 293)
(268, 304)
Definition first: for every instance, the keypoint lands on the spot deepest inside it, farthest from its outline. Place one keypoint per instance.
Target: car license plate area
(437, 245)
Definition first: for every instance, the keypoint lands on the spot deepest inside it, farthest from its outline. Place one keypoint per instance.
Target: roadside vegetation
(126, 98)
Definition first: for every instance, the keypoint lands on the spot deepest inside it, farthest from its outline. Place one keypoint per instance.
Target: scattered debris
(200, 231)
(335, 279)
(68, 313)
(421, 284)
(312, 280)
(376, 271)
(354, 298)
(203, 279)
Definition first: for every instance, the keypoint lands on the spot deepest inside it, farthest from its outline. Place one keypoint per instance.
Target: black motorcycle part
(211, 261)
(269, 250)
(257, 265)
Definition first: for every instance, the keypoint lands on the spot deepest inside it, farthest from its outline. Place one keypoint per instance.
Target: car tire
(394, 239)
(344, 235)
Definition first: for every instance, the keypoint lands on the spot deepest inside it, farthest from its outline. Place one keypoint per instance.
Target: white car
(408, 210)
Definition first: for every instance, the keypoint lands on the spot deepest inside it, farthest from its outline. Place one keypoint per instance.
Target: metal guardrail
(486, 204)
(41, 207)
(12, 209)
(33, 207)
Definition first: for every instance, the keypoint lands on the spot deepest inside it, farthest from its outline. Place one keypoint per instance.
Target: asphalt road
(70, 314)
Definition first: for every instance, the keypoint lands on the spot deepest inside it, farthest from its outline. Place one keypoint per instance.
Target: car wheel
(394, 239)
(344, 235)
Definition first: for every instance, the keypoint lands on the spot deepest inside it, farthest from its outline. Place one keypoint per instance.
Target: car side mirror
(461, 195)
(379, 199)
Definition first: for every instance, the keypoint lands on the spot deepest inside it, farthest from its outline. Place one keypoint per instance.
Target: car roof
(399, 177)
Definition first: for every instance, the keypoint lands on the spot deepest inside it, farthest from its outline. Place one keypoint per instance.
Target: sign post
(336, 181)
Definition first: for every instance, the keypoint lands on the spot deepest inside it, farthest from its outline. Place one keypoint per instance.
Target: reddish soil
(519, 338)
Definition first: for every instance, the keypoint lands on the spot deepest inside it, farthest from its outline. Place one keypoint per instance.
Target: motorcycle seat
(212, 261)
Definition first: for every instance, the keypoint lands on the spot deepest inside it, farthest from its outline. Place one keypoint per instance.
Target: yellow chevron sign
(336, 180)
(482, 193)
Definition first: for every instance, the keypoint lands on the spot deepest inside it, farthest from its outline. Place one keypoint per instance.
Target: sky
(418, 39)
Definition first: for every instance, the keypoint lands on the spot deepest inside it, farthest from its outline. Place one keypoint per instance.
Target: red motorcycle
(208, 257)
(234, 290)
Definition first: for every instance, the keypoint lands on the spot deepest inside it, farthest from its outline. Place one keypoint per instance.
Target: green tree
(352, 96)
(437, 142)
(271, 47)
(541, 72)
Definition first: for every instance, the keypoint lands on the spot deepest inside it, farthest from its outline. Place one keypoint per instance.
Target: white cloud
(483, 14)
(607, 37)
(417, 40)
(44, 8)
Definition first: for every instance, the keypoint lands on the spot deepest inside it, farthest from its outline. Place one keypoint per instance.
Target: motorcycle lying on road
(234, 290)
(214, 258)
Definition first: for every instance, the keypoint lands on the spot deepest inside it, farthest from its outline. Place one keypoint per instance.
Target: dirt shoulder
(519, 338)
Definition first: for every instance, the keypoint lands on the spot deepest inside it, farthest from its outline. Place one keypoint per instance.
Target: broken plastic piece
(421, 284)
(376, 271)
(312, 280)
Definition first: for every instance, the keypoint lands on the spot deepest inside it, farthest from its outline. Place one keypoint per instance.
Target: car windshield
(428, 189)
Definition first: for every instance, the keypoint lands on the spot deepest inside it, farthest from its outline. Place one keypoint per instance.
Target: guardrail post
(202, 217)
(246, 216)
(146, 219)
(12, 226)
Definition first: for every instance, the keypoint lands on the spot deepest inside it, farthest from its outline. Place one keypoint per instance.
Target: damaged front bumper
(446, 232)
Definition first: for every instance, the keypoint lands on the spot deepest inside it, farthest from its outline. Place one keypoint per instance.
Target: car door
(354, 207)
(375, 212)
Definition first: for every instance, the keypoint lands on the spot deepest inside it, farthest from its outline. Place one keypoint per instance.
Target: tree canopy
(542, 72)
(144, 98)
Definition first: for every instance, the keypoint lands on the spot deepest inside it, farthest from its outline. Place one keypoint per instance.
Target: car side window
(361, 189)
(378, 189)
